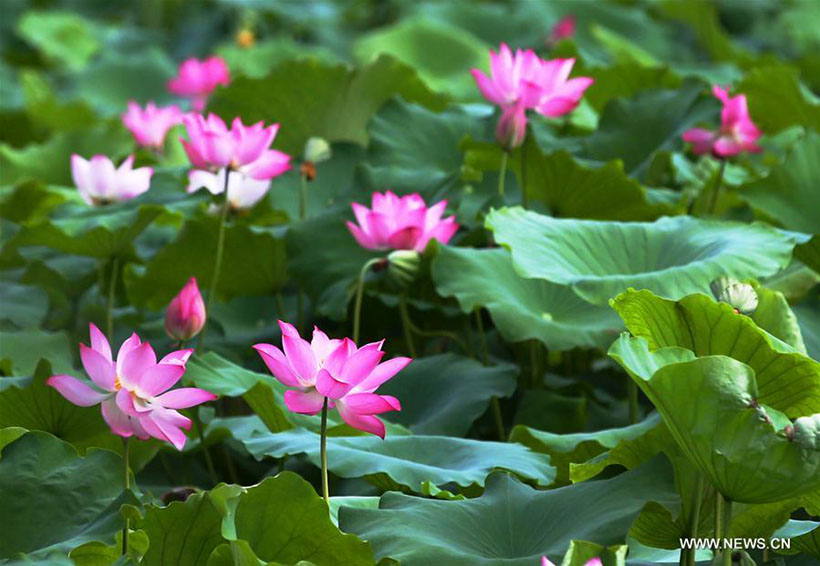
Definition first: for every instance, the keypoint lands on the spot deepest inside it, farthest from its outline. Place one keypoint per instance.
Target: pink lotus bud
(197, 79)
(99, 182)
(564, 29)
(149, 126)
(185, 316)
(400, 223)
(512, 127)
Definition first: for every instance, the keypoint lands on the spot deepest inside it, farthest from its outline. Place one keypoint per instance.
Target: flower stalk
(357, 306)
(127, 485)
(407, 326)
(112, 289)
(716, 190)
(503, 173)
(323, 453)
(220, 245)
(495, 405)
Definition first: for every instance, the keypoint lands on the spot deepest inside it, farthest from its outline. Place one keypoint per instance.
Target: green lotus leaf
(428, 160)
(634, 129)
(63, 37)
(406, 461)
(463, 388)
(311, 98)
(95, 231)
(774, 315)
(567, 449)
(521, 309)
(419, 42)
(283, 520)
(713, 410)
(570, 189)
(23, 305)
(54, 500)
(777, 100)
(808, 317)
(510, 524)
(789, 193)
(787, 380)
(671, 256)
(253, 263)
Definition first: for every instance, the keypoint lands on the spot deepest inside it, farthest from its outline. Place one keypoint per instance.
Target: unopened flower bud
(740, 296)
(512, 127)
(185, 315)
(402, 267)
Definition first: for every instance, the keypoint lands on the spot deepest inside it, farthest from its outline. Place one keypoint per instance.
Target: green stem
(687, 556)
(220, 245)
(525, 198)
(323, 451)
(406, 325)
(534, 377)
(726, 520)
(209, 462)
(112, 288)
(718, 514)
(302, 215)
(442, 333)
(495, 405)
(303, 197)
(357, 307)
(126, 481)
(634, 408)
(718, 182)
(503, 173)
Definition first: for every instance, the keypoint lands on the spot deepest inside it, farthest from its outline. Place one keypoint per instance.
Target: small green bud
(403, 267)
(740, 296)
(317, 150)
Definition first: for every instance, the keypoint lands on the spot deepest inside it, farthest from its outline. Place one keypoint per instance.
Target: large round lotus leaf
(407, 461)
(787, 380)
(521, 308)
(673, 257)
(748, 451)
(463, 387)
(54, 500)
(511, 524)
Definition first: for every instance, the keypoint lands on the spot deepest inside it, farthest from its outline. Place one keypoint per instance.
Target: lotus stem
(443, 333)
(406, 325)
(357, 307)
(727, 521)
(718, 515)
(323, 452)
(303, 197)
(634, 407)
(495, 405)
(220, 245)
(126, 481)
(209, 462)
(688, 556)
(112, 288)
(503, 173)
(525, 199)
(718, 182)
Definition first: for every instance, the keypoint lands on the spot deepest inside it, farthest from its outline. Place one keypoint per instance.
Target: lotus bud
(403, 267)
(740, 296)
(512, 127)
(185, 315)
(317, 150)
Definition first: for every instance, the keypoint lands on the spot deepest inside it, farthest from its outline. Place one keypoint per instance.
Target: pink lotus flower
(197, 79)
(185, 315)
(563, 29)
(149, 126)
(100, 183)
(133, 390)
(211, 145)
(402, 223)
(335, 369)
(737, 132)
(526, 80)
(243, 191)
